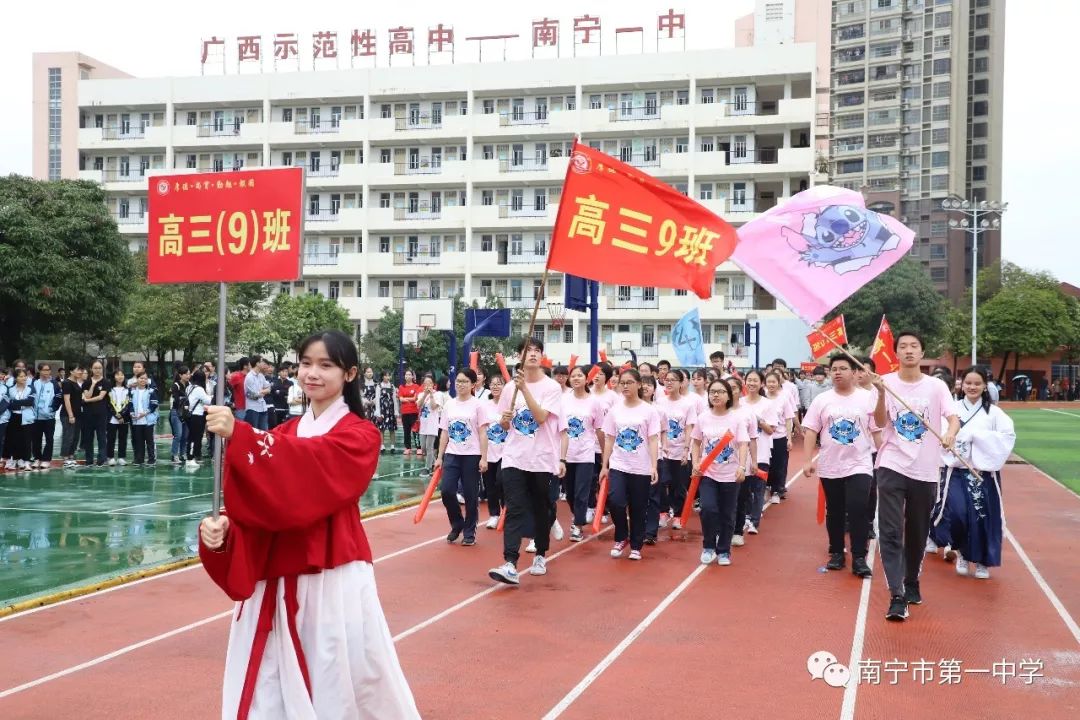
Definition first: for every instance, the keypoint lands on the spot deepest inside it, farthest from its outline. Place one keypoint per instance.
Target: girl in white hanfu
(969, 520)
(308, 639)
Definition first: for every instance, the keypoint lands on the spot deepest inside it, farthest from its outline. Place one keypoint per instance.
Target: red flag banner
(243, 226)
(617, 224)
(819, 343)
(883, 354)
(808, 367)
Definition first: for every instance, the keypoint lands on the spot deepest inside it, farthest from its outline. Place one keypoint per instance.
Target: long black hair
(986, 386)
(341, 350)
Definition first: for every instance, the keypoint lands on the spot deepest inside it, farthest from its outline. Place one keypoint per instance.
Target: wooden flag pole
(219, 397)
(541, 293)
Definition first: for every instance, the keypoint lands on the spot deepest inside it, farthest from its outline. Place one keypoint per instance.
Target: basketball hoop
(558, 314)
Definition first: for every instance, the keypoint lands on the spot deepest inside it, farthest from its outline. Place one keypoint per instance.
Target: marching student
(742, 501)
(96, 416)
(720, 481)
(47, 400)
(71, 416)
(430, 403)
(20, 399)
(119, 416)
(782, 436)
(768, 415)
(144, 405)
(408, 392)
(842, 418)
(480, 387)
(699, 379)
(309, 638)
(580, 426)
(463, 456)
(562, 376)
(678, 415)
(970, 522)
(865, 381)
(198, 400)
(180, 411)
(530, 459)
(606, 397)
(496, 437)
(908, 467)
(631, 452)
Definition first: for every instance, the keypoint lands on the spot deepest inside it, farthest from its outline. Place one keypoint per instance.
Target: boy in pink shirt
(530, 459)
(843, 418)
(908, 465)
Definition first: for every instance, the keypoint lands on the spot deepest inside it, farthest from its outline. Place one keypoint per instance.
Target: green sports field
(1050, 440)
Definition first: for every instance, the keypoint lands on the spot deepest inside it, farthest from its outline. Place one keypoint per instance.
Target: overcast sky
(1039, 103)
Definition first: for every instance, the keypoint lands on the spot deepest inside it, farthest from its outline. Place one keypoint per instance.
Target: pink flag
(818, 248)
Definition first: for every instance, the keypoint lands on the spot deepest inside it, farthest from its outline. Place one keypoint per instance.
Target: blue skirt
(968, 515)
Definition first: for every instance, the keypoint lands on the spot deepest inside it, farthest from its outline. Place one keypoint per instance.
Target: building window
(978, 173)
(942, 66)
(982, 65)
(939, 159)
(55, 121)
(940, 112)
(938, 227)
(334, 290)
(980, 108)
(979, 130)
(938, 274)
(982, 21)
(384, 244)
(939, 182)
(978, 152)
(943, 19)
(937, 251)
(982, 43)
(286, 115)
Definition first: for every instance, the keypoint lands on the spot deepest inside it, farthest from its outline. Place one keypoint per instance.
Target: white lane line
(847, 710)
(90, 512)
(619, 649)
(171, 633)
(113, 654)
(484, 593)
(158, 502)
(1062, 412)
(1041, 582)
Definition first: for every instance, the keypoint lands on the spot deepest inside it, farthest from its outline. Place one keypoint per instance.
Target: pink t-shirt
(580, 419)
(909, 448)
(496, 433)
(785, 411)
(792, 394)
(843, 424)
(750, 422)
(677, 420)
(709, 429)
(533, 446)
(768, 411)
(463, 421)
(701, 403)
(631, 428)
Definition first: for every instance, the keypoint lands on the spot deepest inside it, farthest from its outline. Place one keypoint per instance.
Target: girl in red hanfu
(308, 638)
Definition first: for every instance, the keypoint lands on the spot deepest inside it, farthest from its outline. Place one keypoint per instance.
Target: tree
(64, 265)
(281, 327)
(905, 293)
(956, 333)
(1025, 318)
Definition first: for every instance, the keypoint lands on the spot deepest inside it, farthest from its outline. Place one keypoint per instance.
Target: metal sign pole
(219, 397)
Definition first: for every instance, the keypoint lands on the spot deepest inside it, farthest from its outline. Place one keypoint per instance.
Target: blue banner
(686, 337)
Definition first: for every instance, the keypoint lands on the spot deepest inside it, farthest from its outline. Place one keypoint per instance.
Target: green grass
(1049, 440)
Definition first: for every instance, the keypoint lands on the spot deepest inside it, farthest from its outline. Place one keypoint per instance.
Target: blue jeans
(578, 481)
(463, 469)
(240, 414)
(718, 514)
(628, 492)
(179, 434)
(261, 420)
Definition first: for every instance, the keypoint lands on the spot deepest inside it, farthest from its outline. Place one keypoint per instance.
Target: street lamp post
(975, 217)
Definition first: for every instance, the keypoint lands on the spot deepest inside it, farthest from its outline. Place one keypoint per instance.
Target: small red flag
(820, 504)
(819, 343)
(883, 355)
(617, 224)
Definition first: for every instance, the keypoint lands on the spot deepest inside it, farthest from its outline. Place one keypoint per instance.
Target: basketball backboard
(425, 314)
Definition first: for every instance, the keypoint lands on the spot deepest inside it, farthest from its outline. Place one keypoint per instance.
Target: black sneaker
(912, 596)
(897, 609)
(468, 542)
(836, 561)
(860, 568)
(650, 540)
(453, 536)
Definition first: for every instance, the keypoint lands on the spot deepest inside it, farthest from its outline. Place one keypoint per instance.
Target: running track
(599, 637)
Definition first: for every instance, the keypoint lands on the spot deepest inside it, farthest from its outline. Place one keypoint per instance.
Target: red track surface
(735, 638)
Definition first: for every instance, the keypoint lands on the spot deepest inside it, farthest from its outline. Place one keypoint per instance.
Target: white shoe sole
(496, 575)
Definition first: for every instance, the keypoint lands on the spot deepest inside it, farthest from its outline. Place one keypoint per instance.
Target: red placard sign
(241, 226)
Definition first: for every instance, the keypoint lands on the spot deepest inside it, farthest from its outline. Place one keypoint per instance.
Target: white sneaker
(950, 554)
(562, 497)
(575, 534)
(931, 546)
(539, 566)
(774, 500)
(751, 528)
(676, 524)
(531, 548)
(111, 462)
(635, 554)
(723, 559)
(10, 465)
(708, 557)
(121, 462)
(557, 531)
(460, 499)
(737, 541)
(982, 572)
(617, 549)
(606, 519)
(664, 519)
(590, 515)
(961, 565)
(505, 573)
(191, 464)
(492, 523)
(34, 465)
(23, 465)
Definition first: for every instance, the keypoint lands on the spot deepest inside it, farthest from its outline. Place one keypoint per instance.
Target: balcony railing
(513, 300)
(629, 113)
(316, 127)
(329, 170)
(123, 132)
(520, 117)
(422, 256)
(132, 176)
(418, 122)
(219, 129)
(420, 212)
(521, 211)
(323, 258)
(323, 214)
(749, 302)
(128, 218)
(523, 165)
(634, 302)
(526, 258)
(641, 160)
(758, 156)
(744, 107)
(420, 166)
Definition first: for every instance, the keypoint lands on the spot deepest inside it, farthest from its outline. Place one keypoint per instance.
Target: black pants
(277, 416)
(871, 508)
(594, 488)
(493, 488)
(578, 481)
(526, 495)
(113, 433)
(196, 428)
(70, 434)
(904, 507)
(95, 427)
(142, 441)
(778, 467)
(43, 431)
(406, 428)
(628, 492)
(846, 501)
(17, 443)
(668, 495)
(461, 471)
(717, 514)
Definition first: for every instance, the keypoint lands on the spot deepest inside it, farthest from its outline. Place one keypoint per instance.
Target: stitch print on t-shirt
(525, 423)
(844, 431)
(628, 439)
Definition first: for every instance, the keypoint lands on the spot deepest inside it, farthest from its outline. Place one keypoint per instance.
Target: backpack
(181, 403)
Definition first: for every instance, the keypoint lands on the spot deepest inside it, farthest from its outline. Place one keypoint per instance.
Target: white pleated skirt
(351, 660)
